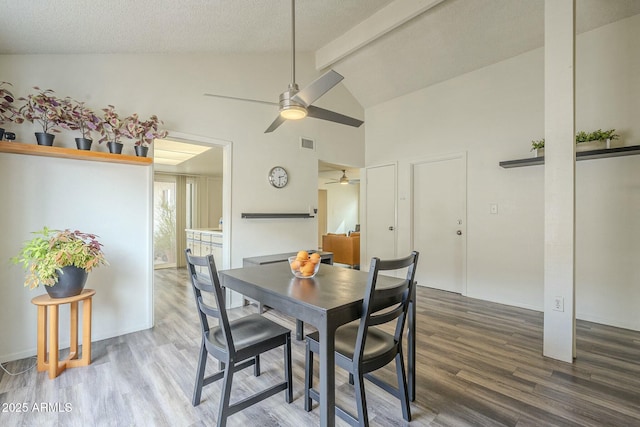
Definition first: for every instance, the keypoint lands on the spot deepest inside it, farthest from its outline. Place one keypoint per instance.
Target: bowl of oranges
(304, 265)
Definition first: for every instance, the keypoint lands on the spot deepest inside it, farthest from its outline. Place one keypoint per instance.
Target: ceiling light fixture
(343, 179)
(169, 152)
(293, 112)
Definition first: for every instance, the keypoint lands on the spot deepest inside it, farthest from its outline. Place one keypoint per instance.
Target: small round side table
(49, 361)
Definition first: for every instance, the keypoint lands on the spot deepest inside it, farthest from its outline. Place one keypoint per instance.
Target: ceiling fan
(343, 179)
(294, 103)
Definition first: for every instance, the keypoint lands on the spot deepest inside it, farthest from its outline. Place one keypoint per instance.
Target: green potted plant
(7, 110)
(143, 132)
(44, 108)
(111, 129)
(80, 117)
(596, 136)
(583, 138)
(60, 260)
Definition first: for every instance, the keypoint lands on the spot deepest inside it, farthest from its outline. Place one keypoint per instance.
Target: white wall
(493, 114)
(172, 87)
(110, 200)
(342, 206)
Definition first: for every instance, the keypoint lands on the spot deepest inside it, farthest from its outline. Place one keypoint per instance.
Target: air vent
(307, 143)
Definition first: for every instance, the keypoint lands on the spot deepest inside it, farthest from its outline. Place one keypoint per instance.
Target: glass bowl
(303, 269)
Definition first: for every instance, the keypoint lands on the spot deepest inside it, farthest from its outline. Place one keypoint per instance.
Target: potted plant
(111, 129)
(60, 260)
(46, 109)
(583, 138)
(7, 110)
(77, 116)
(143, 132)
(598, 136)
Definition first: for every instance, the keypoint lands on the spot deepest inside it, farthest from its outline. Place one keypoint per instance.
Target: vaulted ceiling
(446, 39)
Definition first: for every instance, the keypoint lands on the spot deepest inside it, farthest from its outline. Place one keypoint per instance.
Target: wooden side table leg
(53, 341)
(86, 332)
(73, 335)
(42, 338)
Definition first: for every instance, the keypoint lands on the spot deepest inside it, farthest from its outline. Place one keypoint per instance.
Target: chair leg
(361, 400)
(287, 370)
(225, 395)
(402, 387)
(308, 376)
(202, 363)
(256, 366)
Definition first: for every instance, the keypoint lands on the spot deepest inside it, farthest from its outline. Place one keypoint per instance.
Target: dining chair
(236, 344)
(362, 347)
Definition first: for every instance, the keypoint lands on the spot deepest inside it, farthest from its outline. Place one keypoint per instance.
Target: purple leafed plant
(44, 108)
(7, 110)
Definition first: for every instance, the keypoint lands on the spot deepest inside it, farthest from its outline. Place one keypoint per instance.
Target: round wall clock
(278, 177)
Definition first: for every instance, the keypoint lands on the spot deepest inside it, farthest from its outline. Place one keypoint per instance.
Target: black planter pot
(44, 138)
(70, 282)
(141, 151)
(1, 134)
(115, 147)
(83, 143)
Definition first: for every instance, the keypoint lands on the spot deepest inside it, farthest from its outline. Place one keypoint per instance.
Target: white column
(559, 186)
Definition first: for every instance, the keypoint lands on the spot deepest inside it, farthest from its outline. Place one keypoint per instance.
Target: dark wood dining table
(327, 301)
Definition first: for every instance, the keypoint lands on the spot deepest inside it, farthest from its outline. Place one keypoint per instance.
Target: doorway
(439, 221)
(381, 211)
(322, 215)
(192, 176)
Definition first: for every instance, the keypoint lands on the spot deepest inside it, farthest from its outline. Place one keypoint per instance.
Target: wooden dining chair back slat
(235, 344)
(364, 347)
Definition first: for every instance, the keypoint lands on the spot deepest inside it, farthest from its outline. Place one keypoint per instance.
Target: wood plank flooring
(479, 364)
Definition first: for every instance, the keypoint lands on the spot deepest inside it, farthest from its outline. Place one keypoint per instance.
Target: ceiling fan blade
(277, 122)
(321, 113)
(314, 90)
(241, 99)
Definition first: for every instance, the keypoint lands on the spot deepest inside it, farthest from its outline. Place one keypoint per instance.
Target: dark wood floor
(479, 364)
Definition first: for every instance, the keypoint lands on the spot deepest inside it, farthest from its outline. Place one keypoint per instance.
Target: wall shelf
(71, 153)
(275, 215)
(582, 155)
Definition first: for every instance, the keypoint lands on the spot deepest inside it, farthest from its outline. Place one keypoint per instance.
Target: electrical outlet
(558, 304)
(493, 208)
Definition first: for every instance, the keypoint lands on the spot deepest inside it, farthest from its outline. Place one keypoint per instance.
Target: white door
(381, 213)
(439, 222)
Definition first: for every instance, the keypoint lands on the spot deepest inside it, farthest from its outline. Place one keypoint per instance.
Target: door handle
(391, 228)
(459, 232)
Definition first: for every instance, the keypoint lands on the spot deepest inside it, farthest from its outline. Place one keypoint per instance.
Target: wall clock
(278, 177)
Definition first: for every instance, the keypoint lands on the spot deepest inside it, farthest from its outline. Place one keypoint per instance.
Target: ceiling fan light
(293, 112)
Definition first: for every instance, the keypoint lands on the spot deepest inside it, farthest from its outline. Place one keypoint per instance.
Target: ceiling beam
(377, 25)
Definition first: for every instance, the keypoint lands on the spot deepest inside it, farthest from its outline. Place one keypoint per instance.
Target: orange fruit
(308, 269)
(315, 257)
(295, 265)
(302, 256)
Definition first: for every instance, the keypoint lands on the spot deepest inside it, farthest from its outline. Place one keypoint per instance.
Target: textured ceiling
(452, 38)
(159, 26)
